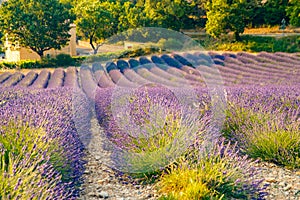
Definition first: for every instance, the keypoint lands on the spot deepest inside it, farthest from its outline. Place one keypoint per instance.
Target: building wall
(11, 55)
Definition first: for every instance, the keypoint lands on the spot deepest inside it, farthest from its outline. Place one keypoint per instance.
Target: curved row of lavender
(270, 99)
(52, 110)
(175, 71)
(264, 83)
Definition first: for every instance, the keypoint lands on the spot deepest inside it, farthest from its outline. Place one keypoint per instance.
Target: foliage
(125, 14)
(37, 24)
(139, 52)
(223, 17)
(64, 60)
(217, 12)
(275, 139)
(196, 15)
(170, 44)
(101, 19)
(250, 43)
(273, 11)
(293, 11)
(167, 13)
(61, 60)
(25, 158)
(129, 53)
(93, 22)
(218, 173)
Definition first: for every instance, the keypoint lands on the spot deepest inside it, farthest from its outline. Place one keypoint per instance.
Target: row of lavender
(197, 69)
(44, 79)
(60, 165)
(193, 69)
(145, 131)
(148, 128)
(279, 102)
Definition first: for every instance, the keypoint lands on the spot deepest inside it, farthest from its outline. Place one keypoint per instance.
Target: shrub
(63, 60)
(29, 161)
(8, 65)
(139, 52)
(165, 140)
(218, 173)
(51, 109)
(170, 44)
(251, 43)
(261, 135)
(151, 133)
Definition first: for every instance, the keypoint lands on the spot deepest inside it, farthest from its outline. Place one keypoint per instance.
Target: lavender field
(261, 120)
(236, 69)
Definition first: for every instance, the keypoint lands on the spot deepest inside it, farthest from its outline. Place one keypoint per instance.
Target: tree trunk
(95, 51)
(40, 53)
(237, 36)
(92, 45)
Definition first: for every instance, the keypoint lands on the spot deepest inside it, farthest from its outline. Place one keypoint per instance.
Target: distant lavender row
(57, 78)
(271, 98)
(28, 79)
(241, 68)
(43, 79)
(188, 69)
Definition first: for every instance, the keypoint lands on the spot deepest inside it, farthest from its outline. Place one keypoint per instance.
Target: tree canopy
(37, 24)
(97, 20)
(224, 16)
(42, 25)
(93, 22)
(293, 11)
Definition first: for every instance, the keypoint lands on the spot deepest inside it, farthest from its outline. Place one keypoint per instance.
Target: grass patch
(262, 135)
(289, 44)
(30, 164)
(215, 174)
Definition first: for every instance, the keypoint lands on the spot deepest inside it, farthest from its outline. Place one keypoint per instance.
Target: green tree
(125, 14)
(93, 22)
(98, 20)
(274, 11)
(293, 11)
(37, 24)
(196, 14)
(228, 15)
(166, 13)
(217, 12)
(241, 13)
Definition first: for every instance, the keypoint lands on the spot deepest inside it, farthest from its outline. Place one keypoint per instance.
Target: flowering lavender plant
(219, 173)
(51, 110)
(29, 158)
(148, 129)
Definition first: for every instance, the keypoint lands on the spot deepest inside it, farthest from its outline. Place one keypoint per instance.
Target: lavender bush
(51, 110)
(219, 173)
(28, 157)
(149, 128)
(265, 123)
